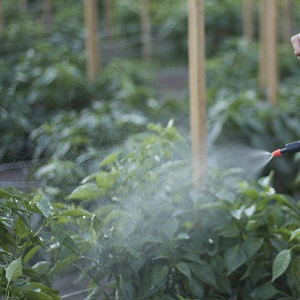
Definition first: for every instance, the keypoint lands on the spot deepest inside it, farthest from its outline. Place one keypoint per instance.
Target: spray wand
(289, 148)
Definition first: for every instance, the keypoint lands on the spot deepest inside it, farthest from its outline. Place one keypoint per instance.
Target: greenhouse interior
(150, 150)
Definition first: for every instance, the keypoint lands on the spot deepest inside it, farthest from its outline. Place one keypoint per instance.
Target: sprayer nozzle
(276, 153)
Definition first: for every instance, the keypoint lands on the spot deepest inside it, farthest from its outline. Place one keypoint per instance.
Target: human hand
(295, 40)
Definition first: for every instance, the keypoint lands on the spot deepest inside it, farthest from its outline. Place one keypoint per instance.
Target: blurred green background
(121, 136)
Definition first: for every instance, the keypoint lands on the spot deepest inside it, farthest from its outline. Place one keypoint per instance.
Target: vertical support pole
(47, 17)
(248, 19)
(272, 53)
(197, 82)
(146, 30)
(92, 41)
(268, 67)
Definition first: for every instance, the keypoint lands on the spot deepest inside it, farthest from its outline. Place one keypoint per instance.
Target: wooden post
(47, 17)
(248, 19)
(268, 67)
(92, 39)
(146, 30)
(272, 53)
(197, 82)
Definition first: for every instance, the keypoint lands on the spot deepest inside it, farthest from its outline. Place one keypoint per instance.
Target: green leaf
(70, 244)
(251, 246)
(21, 228)
(193, 257)
(295, 234)
(281, 263)
(234, 257)
(88, 191)
(14, 270)
(44, 207)
(183, 268)
(63, 238)
(38, 291)
(252, 225)
(197, 287)
(241, 253)
(266, 181)
(265, 291)
(229, 231)
(106, 180)
(295, 271)
(224, 284)
(32, 295)
(256, 272)
(13, 193)
(111, 158)
(48, 77)
(2, 251)
(286, 200)
(44, 288)
(158, 274)
(58, 231)
(154, 281)
(42, 267)
(203, 272)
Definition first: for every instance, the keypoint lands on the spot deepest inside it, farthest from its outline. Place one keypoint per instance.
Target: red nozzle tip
(276, 153)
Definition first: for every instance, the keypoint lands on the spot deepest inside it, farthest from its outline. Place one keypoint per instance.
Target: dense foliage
(27, 224)
(116, 203)
(138, 229)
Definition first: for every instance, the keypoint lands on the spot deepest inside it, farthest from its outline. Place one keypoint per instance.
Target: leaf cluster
(144, 232)
(23, 224)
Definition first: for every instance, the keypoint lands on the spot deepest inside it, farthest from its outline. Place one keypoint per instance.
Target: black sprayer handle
(291, 147)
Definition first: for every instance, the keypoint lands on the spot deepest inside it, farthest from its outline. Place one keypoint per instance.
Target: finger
(295, 40)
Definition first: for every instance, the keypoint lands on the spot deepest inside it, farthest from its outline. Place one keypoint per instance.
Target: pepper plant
(28, 229)
(144, 231)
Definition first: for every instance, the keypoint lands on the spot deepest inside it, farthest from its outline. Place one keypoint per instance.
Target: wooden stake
(248, 19)
(272, 53)
(92, 39)
(197, 82)
(146, 30)
(268, 66)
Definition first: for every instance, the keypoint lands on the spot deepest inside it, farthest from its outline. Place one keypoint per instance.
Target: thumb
(295, 40)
